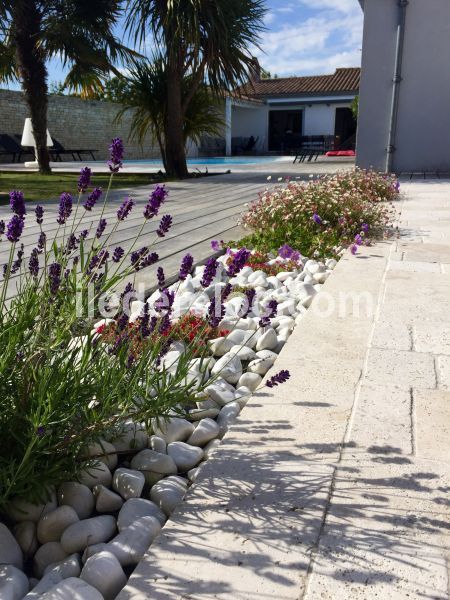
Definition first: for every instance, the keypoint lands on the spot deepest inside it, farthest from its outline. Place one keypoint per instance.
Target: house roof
(343, 80)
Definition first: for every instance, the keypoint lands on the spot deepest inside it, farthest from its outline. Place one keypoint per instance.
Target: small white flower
(280, 179)
(269, 178)
(311, 176)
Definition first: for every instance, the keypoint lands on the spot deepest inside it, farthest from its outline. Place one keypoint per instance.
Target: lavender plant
(62, 386)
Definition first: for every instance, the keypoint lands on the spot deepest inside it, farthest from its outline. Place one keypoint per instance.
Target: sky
(311, 37)
(302, 37)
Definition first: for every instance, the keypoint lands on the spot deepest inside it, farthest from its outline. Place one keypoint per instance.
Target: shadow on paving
(254, 522)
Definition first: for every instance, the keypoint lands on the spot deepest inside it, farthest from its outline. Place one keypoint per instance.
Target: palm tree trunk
(175, 154)
(33, 73)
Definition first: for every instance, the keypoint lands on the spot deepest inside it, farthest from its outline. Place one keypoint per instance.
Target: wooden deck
(202, 209)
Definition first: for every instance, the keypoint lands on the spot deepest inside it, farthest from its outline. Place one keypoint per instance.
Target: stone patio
(335, 485)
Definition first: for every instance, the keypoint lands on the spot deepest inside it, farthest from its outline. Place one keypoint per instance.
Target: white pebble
(129, 483)
(104, 572)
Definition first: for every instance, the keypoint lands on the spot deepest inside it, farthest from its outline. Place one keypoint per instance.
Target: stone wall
(75, 123)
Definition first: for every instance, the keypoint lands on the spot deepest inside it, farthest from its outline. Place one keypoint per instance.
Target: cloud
(318, 44)
(343, 6)
(269, 17)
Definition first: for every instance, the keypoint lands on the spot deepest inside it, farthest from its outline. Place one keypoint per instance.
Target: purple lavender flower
(215, 245)
(124, 209)
(84, 180)
(155, 201)
(317, 219)
(71, 243)
(39, 212)
(54, 277)
(127, 290)
(14, 228)
(33, 264)
(149, 260)
(17, 203)
(97, 261)
(18, 262)
(164, 326)
(238, 261)
(83, 235)
(353, 249)
(65, 208)
(209, 273)
(137, 256)
(2, 227)
(397, 186)
(164, 226)
(41, 241)
(122, 322)
(100, 228)
(161, 277)
(92, 198)
(358, 239)
(216, 312)
(118, 254)
(271, 311)
(170, 295)
(186, 266)
(365, 228)
(226, 291)
(278, 378)
(165, 301)
(144, 321)
(250, 295)
(116, 155)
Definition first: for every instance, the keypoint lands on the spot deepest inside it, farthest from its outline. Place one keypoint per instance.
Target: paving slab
(335, 485)
(432, 424)
(443, 372)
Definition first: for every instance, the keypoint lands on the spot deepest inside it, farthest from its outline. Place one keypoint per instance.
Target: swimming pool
(216, 160)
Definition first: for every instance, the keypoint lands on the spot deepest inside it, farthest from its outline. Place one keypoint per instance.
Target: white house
(279, 112)
(404, 108)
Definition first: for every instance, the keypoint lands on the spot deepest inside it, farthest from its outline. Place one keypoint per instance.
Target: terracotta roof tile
(343, 80)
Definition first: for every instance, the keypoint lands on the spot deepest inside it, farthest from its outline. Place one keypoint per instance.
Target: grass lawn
(47, 187)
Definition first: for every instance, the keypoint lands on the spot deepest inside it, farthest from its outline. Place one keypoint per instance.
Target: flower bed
(322, 216)
(99, 525)
(105, 426)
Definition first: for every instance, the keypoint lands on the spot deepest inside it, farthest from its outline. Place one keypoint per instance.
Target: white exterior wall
(247, 121)
(423, 128)
(319, 119)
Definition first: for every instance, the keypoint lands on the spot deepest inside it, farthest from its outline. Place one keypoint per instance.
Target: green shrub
(320, 217)
(59, 390)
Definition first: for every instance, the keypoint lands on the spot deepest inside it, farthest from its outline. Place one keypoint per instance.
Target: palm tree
(145, 94)
(205, 40)
(78, 31)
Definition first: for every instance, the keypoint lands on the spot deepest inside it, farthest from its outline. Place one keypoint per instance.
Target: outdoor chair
(312, 147)
(58, 150)
(11, 147)
(211, 146)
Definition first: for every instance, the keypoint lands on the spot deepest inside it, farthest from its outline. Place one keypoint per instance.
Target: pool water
(216, 160)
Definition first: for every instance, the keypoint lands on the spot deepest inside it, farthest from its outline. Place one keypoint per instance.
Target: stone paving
(336, 484)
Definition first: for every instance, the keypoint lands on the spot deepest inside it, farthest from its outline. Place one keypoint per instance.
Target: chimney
(255, 70)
